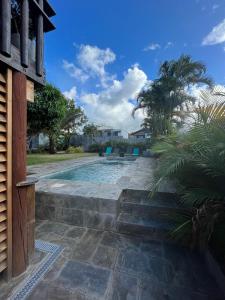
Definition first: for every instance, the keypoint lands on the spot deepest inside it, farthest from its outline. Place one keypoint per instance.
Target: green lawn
(34, 159)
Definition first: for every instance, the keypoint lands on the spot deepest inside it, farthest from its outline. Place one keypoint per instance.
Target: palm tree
(166, 98)
(196, 160)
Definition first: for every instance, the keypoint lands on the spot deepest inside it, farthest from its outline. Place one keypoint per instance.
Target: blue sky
(103, 52)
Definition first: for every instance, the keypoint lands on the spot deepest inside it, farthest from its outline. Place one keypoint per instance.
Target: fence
(87, 141)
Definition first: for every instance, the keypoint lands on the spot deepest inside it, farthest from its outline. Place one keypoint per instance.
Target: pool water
(104, 171)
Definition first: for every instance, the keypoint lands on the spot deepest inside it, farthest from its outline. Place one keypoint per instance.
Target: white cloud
(153, 46)
(74, 71)
(169, 45)
(94, 59)
(71, 94)
(113, 106)
(216, 36)
(91, 62)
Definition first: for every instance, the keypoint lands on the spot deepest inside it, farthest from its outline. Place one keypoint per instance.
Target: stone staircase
(151, 217)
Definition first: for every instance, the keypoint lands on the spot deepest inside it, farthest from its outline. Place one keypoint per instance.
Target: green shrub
(72, 150)
(195, 160)
(40, 150)
(95, 148)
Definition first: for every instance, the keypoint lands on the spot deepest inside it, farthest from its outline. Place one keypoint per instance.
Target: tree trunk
(52, 144)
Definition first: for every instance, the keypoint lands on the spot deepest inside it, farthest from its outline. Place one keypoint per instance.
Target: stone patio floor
(99, 265)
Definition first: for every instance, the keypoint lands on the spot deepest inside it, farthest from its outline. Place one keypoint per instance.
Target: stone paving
(106, 265)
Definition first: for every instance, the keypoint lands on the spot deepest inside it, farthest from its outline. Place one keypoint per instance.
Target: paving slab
(81, 276)
(86, 247)
(105, 257)
(123, 286)
(103, 265)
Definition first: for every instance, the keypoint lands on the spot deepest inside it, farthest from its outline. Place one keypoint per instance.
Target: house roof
(109, 129)
(142, 130)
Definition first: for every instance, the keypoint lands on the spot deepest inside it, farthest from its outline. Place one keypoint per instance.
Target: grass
(34, 159)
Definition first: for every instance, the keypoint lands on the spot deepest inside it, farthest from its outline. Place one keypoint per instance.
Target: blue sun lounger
(135, 152)
(108, 151)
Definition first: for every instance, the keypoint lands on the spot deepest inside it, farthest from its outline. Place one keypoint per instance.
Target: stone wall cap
(29, 181)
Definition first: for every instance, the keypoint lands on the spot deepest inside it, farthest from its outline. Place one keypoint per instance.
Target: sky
(103, 52)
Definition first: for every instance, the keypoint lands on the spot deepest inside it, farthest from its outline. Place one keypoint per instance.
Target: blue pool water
(104, 171)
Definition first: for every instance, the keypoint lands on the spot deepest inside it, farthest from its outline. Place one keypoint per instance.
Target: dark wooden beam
(19, 194)
(40, 42)
(48, 9)
(15, 63)
(6, 27)
(25, 34)
(38, 9)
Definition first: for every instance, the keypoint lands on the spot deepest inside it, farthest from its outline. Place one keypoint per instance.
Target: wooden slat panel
(3, 256)
(3, 236)
(2, 187)
(2, 138)
(2, 157)
(2, 167)
(9, 172)
(2, 108)
(3, 217)
(2, 177)
(2, 197)
(2, 99)
(3, 226)
(3, 265)
(2, 89)
(2, 207)
(2, 128)
(2, 78)
(2, 146)
(3, 246)
(2, 119)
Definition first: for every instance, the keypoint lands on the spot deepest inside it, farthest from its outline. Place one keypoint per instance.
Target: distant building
(103, 136)
(140, 135)
(34, 142)
(109, 133)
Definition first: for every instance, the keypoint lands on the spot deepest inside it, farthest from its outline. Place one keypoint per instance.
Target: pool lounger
(108, 151)
(135, 152)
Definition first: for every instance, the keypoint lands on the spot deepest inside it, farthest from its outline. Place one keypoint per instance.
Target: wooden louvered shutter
(5, 170)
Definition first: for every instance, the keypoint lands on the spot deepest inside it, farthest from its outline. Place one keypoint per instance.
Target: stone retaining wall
(77, 210)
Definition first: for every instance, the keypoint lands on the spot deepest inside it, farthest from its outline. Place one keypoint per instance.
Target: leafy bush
(95, 148)
(195, 160)
(73, 150)
(123, 146)
(42, 149)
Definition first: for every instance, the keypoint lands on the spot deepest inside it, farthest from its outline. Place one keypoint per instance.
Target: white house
(139, 135)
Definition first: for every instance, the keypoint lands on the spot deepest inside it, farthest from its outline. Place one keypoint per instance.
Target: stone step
(139, 225)
(145, 197)
(161, 206)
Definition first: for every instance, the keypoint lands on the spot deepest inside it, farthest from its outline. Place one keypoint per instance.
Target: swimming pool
(102, 172)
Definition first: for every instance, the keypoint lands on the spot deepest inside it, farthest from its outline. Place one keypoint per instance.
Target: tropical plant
(166, 98)
(195, 161)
